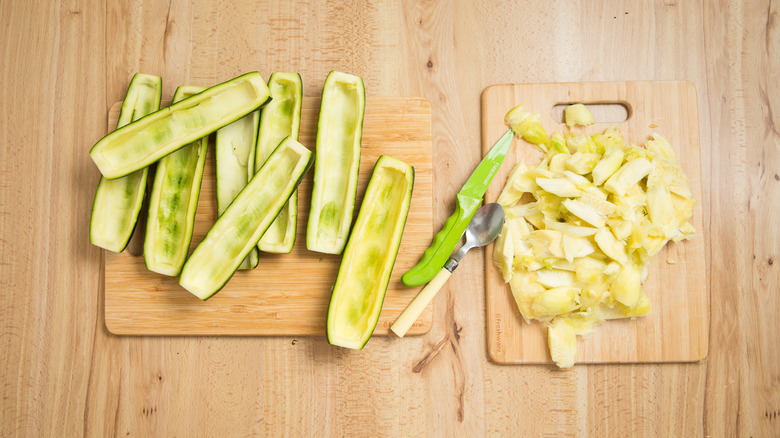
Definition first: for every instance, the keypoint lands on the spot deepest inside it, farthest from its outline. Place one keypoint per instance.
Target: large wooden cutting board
(286, 294)
(677, 329)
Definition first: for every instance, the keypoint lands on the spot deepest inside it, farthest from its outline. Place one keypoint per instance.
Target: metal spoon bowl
(483, 229)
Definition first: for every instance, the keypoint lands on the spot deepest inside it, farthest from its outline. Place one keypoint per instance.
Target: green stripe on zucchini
(240, 227)
(118, 201)
(339, 134)
(370, 254)
(173, 201)
(145, 141)
(279, 119)
(235, 156)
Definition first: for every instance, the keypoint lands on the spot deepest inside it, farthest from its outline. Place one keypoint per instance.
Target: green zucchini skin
(339, 136)
(240, 227)
(235, 157)
(118, 202)
(173, 201)
(150, 138)
(279, 119)
(370, 254)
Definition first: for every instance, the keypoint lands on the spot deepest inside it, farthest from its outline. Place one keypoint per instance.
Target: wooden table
(65, 63)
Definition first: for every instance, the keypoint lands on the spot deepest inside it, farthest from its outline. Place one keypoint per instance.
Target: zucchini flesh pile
(173, 201)
(118, 201)
(339, 133)
(145, 141)
(235, 156)
(240, 227)
(370, 254)
(279, 119)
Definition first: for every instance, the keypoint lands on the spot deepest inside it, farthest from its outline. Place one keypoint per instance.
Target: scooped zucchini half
(118, 201)
(240, 227)
(279, 119)
(235, 156)
(145, 141)
(173, 202)
(370, 254)
(339, 134)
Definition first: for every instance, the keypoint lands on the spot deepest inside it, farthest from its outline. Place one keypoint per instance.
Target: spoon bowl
(486, 224)
(483, 229)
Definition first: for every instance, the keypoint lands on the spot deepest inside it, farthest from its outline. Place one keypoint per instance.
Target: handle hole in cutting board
(603, 112)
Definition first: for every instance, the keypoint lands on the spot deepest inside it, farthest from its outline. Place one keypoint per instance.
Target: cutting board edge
(688, 83)
(596, 363)
(120, 330)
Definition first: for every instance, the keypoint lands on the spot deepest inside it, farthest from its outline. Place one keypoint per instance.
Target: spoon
(483, 229)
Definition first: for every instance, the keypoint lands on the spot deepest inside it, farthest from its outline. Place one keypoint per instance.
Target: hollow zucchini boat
(173, 201)
(279, 119)
(240, 227)
(145, 141)
(370, 254)
(118, 201)
(339, 133)
(235, 156)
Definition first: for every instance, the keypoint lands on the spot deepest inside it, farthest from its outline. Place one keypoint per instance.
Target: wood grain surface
(286, 294)
(677, 328)
(64, 63)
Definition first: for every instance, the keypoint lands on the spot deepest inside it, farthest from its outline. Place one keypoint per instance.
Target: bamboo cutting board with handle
(286, 294)
(677, 329)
